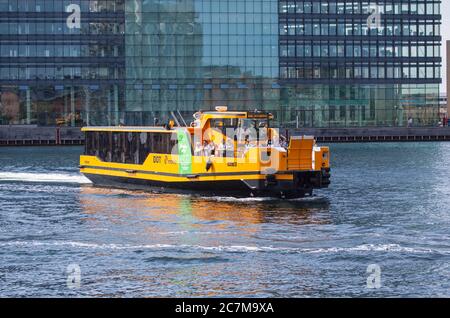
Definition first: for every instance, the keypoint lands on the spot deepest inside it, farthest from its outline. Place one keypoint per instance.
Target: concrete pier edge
(40, 136)
(386, 134)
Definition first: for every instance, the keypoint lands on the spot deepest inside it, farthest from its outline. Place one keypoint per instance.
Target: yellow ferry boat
(222, 153)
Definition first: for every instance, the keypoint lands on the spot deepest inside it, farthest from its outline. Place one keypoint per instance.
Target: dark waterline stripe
(166, 174)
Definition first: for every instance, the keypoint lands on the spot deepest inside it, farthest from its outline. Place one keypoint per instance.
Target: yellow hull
(227, 176)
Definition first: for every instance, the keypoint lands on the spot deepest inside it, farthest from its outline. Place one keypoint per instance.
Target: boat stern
(296, 171)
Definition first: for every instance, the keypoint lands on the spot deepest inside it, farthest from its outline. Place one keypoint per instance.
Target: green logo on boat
(184, 153)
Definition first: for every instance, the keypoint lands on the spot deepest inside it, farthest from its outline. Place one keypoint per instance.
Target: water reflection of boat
(222, 153)
(184, 209)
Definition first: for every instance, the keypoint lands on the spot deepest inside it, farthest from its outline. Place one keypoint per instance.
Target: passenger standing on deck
(198, 149)
(229, 148)
(214, 149)
(247, 146)
(221, 149)
(208, 148)
(205, 148)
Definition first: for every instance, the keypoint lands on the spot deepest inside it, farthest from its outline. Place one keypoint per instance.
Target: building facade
(322, 63)
(446, 94)
(61, 61)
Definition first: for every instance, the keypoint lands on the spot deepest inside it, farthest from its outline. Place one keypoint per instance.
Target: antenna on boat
(182, 118)
(176, 119)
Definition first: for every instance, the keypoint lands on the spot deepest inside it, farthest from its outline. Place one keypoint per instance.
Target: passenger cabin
(129, 145)
(230, 133)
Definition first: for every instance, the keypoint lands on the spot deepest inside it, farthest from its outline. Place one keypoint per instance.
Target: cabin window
(145, 146)
(129, 147)
(131, 155)
(158, 144)
(223, 123)
(104, 146)
(90, 144)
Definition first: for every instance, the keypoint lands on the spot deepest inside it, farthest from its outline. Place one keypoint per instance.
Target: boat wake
(43, 177)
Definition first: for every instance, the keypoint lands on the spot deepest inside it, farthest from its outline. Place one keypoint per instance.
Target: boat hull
(240, 188)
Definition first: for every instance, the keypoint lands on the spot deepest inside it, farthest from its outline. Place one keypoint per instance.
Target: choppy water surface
(389, 204)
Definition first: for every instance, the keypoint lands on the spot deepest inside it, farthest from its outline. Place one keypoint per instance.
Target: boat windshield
(253, 131)
(224, 123)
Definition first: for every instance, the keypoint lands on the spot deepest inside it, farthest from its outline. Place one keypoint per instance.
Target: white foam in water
(251, 200)
(243, 200)
(387, 248)
(44, 177)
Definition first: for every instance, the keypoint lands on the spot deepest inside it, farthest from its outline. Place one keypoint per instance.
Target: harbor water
(381, 230)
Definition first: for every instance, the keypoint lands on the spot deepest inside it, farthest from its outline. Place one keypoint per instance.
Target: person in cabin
(212, 148)
(221, 149)
(207, 148)
(229, 148)
(198, 149)
(247, 146)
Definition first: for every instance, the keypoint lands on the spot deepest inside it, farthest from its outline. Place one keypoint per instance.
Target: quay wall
(40, 136)
(385, 134)
(54, 136)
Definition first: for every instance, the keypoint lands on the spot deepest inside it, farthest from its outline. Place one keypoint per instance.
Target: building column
(28, 102)
(87, 104)
(109, 112)
(72, 106)
(116, 104)
(359, 110)
(66, 103)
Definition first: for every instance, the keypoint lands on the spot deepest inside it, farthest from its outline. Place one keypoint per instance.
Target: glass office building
(321, 63)
(60, 63)
(197, 54)
(344, 71)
